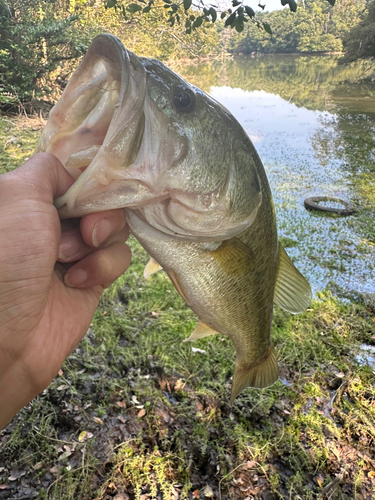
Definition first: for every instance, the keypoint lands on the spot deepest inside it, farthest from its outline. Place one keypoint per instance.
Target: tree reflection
(310, 82)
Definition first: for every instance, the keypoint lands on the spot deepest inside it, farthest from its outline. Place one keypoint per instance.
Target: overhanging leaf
(249, 11)
(187, 4)
(213, 13)
(229, 21)
(267, 28)
(293, 5)
(134, 7)
(332, 2)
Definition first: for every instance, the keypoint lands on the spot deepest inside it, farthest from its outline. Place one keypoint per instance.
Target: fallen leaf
(135, 400)
(84, 436)
(4, 486)
(155, 314)
(319, 479)
(98, 420)
(371, 474)
(250, 464)
(62, 387)
(54, 469)
(195, 349)
(340, 375)
(60, 372)
(121, 418)
(141, 413)
(207, 492)
(12, 478)
(196, 493)
(121, 404)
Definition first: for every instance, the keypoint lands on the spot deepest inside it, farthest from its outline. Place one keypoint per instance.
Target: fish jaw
(120, 131)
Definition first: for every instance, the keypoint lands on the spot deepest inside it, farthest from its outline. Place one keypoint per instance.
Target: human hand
(52, 274)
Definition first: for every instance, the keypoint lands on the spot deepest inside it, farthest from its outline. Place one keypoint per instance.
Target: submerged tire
(312, 203)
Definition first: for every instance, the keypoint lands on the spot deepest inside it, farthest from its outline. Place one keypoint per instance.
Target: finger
(98, 227)
(102, 267)
(43, 174)
(73, 247)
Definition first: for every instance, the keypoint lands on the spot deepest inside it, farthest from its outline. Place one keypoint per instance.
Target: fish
(137, 136)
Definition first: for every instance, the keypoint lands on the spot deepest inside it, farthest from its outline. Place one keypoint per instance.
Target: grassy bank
(135, 413)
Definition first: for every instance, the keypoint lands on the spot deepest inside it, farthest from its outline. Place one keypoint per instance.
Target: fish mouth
(97, 127)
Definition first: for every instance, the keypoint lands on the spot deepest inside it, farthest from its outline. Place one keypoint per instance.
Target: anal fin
(292, 291)
(151, 268)
(201, 330)
(258, 375)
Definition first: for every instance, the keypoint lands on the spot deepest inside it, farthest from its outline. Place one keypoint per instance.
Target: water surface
(314, 128)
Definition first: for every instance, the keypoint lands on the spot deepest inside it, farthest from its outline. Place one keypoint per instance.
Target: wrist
(16, 391)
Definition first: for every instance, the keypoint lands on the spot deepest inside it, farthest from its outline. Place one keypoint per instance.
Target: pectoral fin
(259, 375)
(292, 291)
(201, 330)
(151, 268)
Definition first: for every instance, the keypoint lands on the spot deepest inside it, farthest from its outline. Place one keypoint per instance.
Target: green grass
(157, 416)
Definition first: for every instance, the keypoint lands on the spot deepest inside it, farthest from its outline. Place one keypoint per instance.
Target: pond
(313, 125)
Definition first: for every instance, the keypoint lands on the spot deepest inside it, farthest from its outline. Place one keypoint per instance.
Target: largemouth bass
(136, 135)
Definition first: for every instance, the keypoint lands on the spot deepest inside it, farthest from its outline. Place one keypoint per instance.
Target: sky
(270, 4)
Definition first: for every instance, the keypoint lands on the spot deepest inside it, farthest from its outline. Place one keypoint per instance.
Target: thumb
(43, 177)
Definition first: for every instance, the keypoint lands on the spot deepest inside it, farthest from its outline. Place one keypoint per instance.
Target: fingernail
(76, 277)
(69, 246)
(101, 231)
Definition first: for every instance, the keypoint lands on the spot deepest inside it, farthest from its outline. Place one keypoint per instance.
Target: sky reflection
(329, 251)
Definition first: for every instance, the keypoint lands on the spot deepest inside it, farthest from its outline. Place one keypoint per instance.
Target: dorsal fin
(201, 330)
(151, 268)
(292, 291)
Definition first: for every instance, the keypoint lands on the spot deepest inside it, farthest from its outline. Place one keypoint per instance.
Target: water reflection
(315, 136)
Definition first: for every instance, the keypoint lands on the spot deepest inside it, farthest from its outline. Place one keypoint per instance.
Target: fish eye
(184, 99)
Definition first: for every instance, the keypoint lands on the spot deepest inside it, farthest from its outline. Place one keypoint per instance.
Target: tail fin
(261, 375)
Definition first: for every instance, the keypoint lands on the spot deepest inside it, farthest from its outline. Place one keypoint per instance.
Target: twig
(336, 480)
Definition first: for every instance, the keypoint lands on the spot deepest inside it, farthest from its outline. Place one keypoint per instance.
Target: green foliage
(359, 43)
(35, 38)
(315, 27)
(233, 18)
(42, 41)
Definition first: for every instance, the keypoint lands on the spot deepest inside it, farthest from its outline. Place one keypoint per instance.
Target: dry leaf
(155, 314)
(121, 418)
(12, 478)
(207, 492)
(371, 474)
(195, 349)
(340, 375)
(319, 479)
(62, 387)
(54, 469)
(84, 436)
(141, 413)
(4, 486)
(250, 464)
(60, 372)
(121, 404)
(196, 493)
(98, 420)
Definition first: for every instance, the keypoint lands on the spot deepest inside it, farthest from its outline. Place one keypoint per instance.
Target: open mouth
(97, 127)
